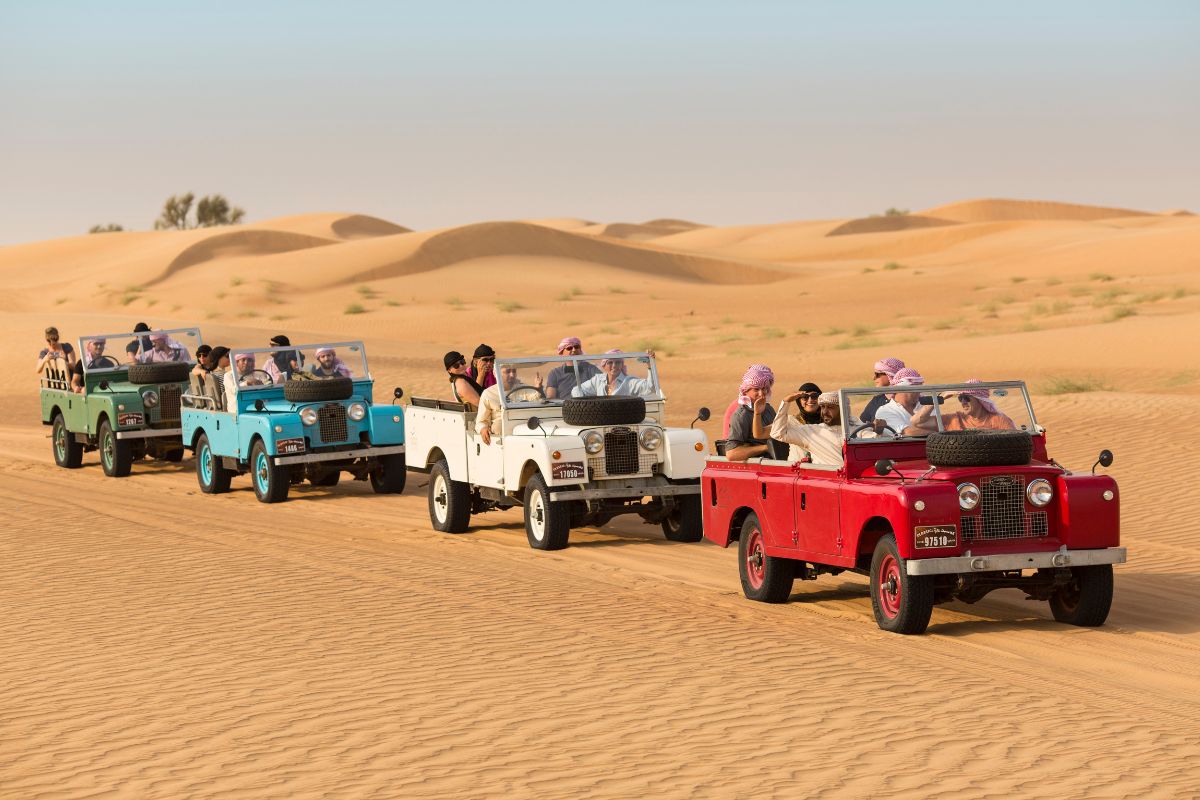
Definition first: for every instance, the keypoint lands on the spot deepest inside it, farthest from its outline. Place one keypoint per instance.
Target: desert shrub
(212, 210)
(111, 227)
(355, 308)
(1018, 279)
(1103, 277)
(1119, 312)
(892, 265)
(1052, 281)
(509, 306)
(1073, 385)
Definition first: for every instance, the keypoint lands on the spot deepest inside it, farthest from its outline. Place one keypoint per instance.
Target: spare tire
(979, 448)
(320, 389)
(164, 372)
(590, 411)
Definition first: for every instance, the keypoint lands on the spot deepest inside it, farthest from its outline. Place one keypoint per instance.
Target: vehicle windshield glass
(263, 367)
(116, 351)
(560, 377)
(997, 405)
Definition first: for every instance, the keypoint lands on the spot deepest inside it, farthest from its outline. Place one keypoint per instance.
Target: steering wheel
(522, 386)
(854, 433)
(105, 362)
(243, 379)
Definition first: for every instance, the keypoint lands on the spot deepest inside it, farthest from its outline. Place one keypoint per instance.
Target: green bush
(1078, 385)
(355, 308)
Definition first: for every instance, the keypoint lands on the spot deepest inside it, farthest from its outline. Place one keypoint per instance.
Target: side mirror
(534, 423)
(883, 466)
(1105, 460)
(702, 415)
(102, 385)
(259, 405)
(398, 393)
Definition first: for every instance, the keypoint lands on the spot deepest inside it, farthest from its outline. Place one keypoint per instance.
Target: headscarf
(339, 367)
(907, 377)
(239, 356)
(981, 395)
(758, 376)
(569, 341)
(619, 361)
(828, 399)
(889, 366)
(159, 336)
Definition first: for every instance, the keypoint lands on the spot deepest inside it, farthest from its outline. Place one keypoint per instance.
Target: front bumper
(625, 491)
(341, 455)
(1009, 561)
(150, 433)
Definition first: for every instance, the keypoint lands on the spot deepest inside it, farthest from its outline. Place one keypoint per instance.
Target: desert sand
(157, 642)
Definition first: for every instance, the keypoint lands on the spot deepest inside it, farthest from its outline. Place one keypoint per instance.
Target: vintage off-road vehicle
(285, 414)
(129, 406)
(566, 451)
(950, 516)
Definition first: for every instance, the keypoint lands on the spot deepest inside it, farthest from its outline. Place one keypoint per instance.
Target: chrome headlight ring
(1039, 492)
(593, 442)
(149, 398)
(968, 496)
(356, 411)
(650, 438)
(308, 416)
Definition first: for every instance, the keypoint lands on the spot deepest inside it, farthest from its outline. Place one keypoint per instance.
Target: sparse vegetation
(366, 291)
(355, 308)
(732, 337)
(946, 324)
(1060, 307)
(1149, 297)
(833, 331)
(990, 309)
(392, 303)
(1018, 279)
(1079, 291)
(1120, 312)
(892, 265)
(895, 212)
(773, 333)
(1052, 281)
(1179, 293)
(853, 344)
(867, 270)
(1006, 299)
(454, 303)
(616, 290)
(111, 227)
(212, 210)
(60, 301)
(236, 280)
(220, 295)
(1067, 385)
(509, 306)
(128, 298)
(860, 331)
(1103, 277)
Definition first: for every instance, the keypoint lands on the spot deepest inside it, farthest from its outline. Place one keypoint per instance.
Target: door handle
(764, 490)
(803, 501)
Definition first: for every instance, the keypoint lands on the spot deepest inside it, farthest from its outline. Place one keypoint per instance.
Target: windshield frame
(81, 353)
(927, 388)
(559, 359)
(311, 348)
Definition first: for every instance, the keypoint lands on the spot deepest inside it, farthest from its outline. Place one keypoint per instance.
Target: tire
(685, 524)
(1086, 600)
(547, 523)
(599, 411)
(449, 500)
(116, 456)
(320, 389)
(328, 479)
(68, 453)
(979, 448)
(167, 372)
(390, 474)
(210, 474)
(174, 456)
(902, 603)
(765, 579)
(270, 480)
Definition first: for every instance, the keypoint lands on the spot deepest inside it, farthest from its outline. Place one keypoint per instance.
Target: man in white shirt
(614, 381)
(898, 413)
(823, 440)
(489, 421)
(163, 349)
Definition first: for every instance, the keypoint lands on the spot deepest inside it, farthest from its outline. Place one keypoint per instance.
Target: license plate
(130, 418)
(568, 471)
(285, 446)
(929, 536)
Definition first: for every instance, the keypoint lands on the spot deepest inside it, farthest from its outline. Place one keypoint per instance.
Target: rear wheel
(270, 480)
(68, 453)
(1084, 601)
(449, 500)
(390, 474)
(116, 456)
(902, 603)
(547, 523)
(212, 476)
(765, 578)
(330, 478)
(684, 523)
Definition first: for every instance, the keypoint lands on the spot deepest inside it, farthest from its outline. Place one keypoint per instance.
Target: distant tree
(896, 212)
(109, 228)
(212, 210)
(175, 213)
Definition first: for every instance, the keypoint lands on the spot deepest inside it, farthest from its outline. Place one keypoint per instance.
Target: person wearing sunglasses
(466, 390)
(976, 412)
(55, 349)
(820, 443)
(563, 379)
(885, 370)
(482, 362)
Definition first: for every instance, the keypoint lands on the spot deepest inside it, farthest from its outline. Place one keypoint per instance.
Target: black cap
(218, 353)
(203, 350)
(484, 351)
(281, 341)
(452, 358)
(141, 326)
(810, 387)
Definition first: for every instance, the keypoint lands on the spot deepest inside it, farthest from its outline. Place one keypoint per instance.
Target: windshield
(547, 381)
(263, 367)
(116, 351)
(995, 405)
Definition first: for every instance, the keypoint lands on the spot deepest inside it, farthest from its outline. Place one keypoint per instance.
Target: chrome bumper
(1010, 561)
(150, 433)
(628, 491)
(341, 455)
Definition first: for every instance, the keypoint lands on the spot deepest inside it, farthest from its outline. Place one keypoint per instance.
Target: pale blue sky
(435, 114)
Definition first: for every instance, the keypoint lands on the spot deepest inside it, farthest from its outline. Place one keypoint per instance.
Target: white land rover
(581, 440)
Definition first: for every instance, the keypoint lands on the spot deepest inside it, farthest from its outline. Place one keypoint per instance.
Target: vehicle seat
(214, 390)
(719, 444)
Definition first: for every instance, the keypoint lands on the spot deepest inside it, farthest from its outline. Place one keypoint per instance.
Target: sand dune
(896, 222)
(998, 210)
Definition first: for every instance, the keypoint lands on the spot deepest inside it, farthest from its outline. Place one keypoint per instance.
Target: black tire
(166, 372)
(330, 478)
(686, 523)
(174, 456)
(390, 474)
(599, 411)
(319, 389)
(210, 474)
(271, 481)
(979, 448)
(449, 500)
(902, 603)
(116, 456)
(1087, 599)
(765, 579)
(547, 522)
(68, 453)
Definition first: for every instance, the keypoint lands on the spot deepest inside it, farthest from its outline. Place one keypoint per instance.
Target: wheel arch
(736, 521)
(872, 531)
(435, 455)
(528, 470)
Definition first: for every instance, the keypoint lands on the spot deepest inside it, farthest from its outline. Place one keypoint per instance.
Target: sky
(439, 114)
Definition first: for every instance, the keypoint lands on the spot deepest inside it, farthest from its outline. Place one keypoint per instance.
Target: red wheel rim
(756, 560)
(888, 587)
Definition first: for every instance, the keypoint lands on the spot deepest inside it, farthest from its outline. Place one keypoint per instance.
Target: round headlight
(356, 411)
(650, 438)
(308, 416)
(593, 442)
(149, 398)
(1039, 492)
(968, 496)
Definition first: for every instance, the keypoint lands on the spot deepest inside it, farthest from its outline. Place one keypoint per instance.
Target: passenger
(750, 425)
(140, 344)
(822, 441)
(978, 412)
(466, 390)
(481, 366)
(614, 381)
(162, 349)
(55, 350)
(219, 358)
(203, 367)
(806, 401)
(489, 421)
(897, 413)
(93, 357)
(284, 363)
(329, 365)
(885, 369)
(563, 379)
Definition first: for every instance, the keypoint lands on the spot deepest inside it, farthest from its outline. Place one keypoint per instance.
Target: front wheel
(902, 603)
(210, 473)
(449, 500)
(547, 522)
(765, 578)
(68, 453)
(685, 523)
(270, 480)
(116, 456)
(1084, 601)
(389, 474)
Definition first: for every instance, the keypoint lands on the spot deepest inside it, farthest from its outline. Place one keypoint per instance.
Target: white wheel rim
(441, 502)
(537, 516)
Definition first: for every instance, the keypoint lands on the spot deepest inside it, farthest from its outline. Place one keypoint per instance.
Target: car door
(485, 462)
(817, 498)
(776, 485)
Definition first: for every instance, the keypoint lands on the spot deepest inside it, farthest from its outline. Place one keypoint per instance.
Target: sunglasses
(880, 374)
(809, 395)
(572, 349)
(462, 362)
(489, 359)
(52, 340)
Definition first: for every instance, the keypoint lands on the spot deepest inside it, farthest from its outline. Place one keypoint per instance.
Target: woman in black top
(466, 390)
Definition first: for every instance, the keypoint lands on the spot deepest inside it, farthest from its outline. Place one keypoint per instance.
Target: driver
(329, 365)
(162, 348)
(822, 440)
(93, 357)
(614, 381)
(489, 420)
(242, 374)
(562, 379)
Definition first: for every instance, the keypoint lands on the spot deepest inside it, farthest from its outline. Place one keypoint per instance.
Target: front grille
(620, 452)
(166, 413)
(1002, 513)
(331, 419)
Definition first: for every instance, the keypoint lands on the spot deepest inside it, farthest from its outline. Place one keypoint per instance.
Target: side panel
(724, 489)
(387, 425)
(1086, 519)
(682, 460)
(219, 426)
(776, 509)
(818, 519)
(485, 462)
(426, 429)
